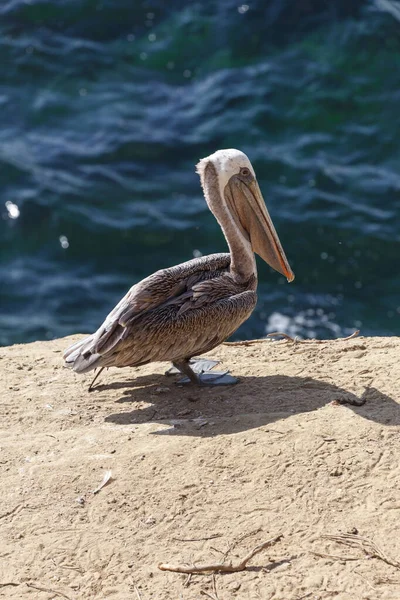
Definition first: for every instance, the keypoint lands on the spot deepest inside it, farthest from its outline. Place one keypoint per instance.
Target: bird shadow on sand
(255, 401)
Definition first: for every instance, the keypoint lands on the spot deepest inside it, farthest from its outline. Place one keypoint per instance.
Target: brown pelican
(186, 310)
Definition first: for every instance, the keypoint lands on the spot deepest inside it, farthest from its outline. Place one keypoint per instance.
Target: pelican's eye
(245, 171)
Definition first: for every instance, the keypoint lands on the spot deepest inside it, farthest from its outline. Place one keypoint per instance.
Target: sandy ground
(200, 473)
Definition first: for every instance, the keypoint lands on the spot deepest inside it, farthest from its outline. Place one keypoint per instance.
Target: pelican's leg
(95, 377)
(198, 365)
(203, 378)
(185, 368)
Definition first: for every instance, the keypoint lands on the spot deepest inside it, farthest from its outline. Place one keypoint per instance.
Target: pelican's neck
(243, 262)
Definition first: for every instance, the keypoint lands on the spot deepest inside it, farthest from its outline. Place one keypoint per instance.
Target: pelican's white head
(233, 195)
(226, 163)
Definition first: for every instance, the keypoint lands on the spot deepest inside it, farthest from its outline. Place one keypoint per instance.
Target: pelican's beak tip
(290, 278)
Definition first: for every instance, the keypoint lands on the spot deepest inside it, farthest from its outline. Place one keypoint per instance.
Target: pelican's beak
(255, 219)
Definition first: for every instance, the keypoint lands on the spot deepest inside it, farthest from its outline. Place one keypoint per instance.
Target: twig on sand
(9, 583)
(289, 338)
(211, 596)
(333, 556)
(220, 567)
(214, 595)
(295, 340)
(285, 336)
(380, 580)
(367, 546)
(12, 511)
(48, 590)
(240, 540)
(201, 539)
(137, 593)
(246, 342)
(367, 581)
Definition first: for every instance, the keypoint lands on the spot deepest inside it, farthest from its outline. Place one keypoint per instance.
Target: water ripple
(107, 110)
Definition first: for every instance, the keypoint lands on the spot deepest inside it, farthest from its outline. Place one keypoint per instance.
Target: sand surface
(202, 473)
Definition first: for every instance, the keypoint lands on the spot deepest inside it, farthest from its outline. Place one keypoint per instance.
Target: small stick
(380, 580)
(239, 540)
(367, 546)
(367, 581)
(90, 389)
(211, 537)
(219, 551)
(215, 587)
(355, 334)
(297, 341)
(12, 583)
(221, 567)
(323, 555)
(11, 512)
(78, 569)
(213, 596)
(204, 593)
(48, 590)
(246, 342)
(286, 336)
(289, 338)
(137, 593)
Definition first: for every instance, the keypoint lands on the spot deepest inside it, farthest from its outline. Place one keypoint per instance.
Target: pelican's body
(191, 308)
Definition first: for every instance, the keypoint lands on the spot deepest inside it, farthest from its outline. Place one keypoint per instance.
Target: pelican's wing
(165, 286)
(168, 334)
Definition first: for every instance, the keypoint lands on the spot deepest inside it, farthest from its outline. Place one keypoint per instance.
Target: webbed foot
(198, 365)
(209, 379)
(201, 378)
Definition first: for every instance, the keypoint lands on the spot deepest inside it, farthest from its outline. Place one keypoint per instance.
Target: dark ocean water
(106, 106)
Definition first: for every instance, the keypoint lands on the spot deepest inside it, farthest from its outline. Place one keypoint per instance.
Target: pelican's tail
(80, 357)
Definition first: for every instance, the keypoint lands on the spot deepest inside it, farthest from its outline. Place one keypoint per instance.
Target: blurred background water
(106, 106)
